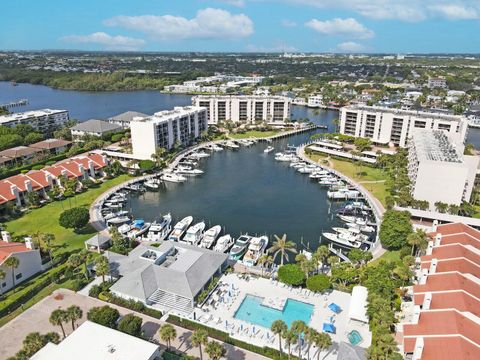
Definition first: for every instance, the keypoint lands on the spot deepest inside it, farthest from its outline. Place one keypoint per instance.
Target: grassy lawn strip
(45, 219)
(388, 256)
(255, 133)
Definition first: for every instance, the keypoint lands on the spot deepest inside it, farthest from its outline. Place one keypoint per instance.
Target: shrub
(291, 274)
(37, 167)
(95, 291)
(75, 218)
(318, 283)
(104, 315)
(395, 228)
(131, 324)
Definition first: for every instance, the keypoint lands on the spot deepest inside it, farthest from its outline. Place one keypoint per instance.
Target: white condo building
(44, 121)
(438, 170)
(315, 101)
(244, 108)
(386, 125)
(164, 128)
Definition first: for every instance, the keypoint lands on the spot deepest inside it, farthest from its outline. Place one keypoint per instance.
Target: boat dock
(293, 132)
(338, 253)
(13, 104)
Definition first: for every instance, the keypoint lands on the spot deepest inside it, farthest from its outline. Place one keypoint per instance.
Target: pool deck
(222, 315)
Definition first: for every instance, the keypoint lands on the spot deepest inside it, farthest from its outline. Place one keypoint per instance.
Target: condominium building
(438, 170)
(165, 128)
(394, 126)
(44, 121)
(437, 82)
(315, 101)
(244, 108)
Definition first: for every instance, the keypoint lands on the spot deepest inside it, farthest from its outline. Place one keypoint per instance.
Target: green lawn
(254, 134)
(45, 219)
(389, 256)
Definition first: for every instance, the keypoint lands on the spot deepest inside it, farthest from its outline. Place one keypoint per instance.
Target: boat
(269, 149)
(343, 193)
(297, 164)
(224, 243)
(319, 174)
(188, 171)
(180, 228)
(257, 248)
(361, 227)
(285, 157)
(152, 184)
(160, 228)
(199, 155)
(194, 234)
(240, 247)
(329, 182)
(135, 187)
(112, 215)
(210, 236)
(139, 227)
(118, 220)
(190, 163)
(231, 145)
(344, 240)
(351, 231)
(125, 228)
(115, 205)
(171, 177)
(352, 219)
(216, 147)
(308, 169)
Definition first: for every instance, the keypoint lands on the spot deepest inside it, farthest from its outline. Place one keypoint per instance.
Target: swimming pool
(252, 311)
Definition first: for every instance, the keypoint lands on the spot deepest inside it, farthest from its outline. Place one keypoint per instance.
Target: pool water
(354, 337)
(252, 311)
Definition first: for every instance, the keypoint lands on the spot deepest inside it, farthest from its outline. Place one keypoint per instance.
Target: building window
(4, 284)
(18, 276)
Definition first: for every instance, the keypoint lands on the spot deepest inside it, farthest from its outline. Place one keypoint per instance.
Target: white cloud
(288, 23)
(456, 12)
(237, 3)
(109, 42)
(266, 49)
(341, 27)
(350, 46)
(207, 24)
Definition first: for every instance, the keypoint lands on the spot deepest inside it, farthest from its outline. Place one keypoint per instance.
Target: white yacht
(351, 231)
(352, 219)
(285, 157)
(152, 184)
(343, 193)
(112, 215)
(269, 149)
(224, 243)
(139, 228)
(171, 177)
(160, 228)
(210, 236)
(180, 228)
(257, 248)
(125, 228)
(344, 240)
(231, 145)
(183, 170)
(318, 174)
(194, 234)
(199, 155)
(307, 169)
(240, 247)
(361, 227)
(297, 164)
(118, 220)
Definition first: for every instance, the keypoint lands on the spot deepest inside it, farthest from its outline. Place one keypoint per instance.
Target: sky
(367, 26)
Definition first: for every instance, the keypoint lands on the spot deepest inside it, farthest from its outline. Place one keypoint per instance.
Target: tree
(298, 327)
(318, 283)
(281, 247)
(305, 264)
(279, 328)
(441, 206)
(131, 324)
(321, 255)
(289, 336)
(33, 342)
(215, 350)
(291, 274)
(417, 240)
(199, 338)
(363, 144)
(3, 275)
(167, 333)
(358, 256)
(102, 267)
(322, 341)
(74, 313)
(264, 261)
(48, 239)
(57, 318)
(146, 165)
(158, 156)
(120, 243)
(75, 218)
(345, 275)
(12, 262)
(395, 228)
(104, 315)
(76, 260)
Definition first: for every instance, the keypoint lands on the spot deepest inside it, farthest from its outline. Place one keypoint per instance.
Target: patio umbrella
(335, 308)
(329, 328)
(253, 330)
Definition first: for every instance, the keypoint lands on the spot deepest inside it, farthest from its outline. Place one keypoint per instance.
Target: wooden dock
(338, 252)
(13, 104)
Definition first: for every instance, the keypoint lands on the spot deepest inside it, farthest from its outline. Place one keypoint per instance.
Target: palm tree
(279, 328)
(289, 336)
(215, 350)
(333, 260)
(74, 313)
(3, 275)
(298, 327)
(32, 343)
(417, 240)
(158, 155)
(12, 262)
(322, 341)
(282, 246)
(167, 333)
(76, 260)
(199, 338)
(57, 318)
(48, 239)
(102, 267)
(264, 261)
(321, 255)
(310, 335)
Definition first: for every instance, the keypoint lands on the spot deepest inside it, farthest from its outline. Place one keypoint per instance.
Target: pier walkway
(13, 104)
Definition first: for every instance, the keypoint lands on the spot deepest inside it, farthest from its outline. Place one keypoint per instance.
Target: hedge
(225, 337)
(291, 274)
(318, 283)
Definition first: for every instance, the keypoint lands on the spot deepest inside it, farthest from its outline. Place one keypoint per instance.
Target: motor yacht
(180, 228)
(361, 227)
(240, 247)
(160, 228)
(139, 228)
(224, 243)
(199, 155)
(257, 248)
(343, 193)
(152, 184)
(231, 145)
(171, 177)
(210, 236)
(118, 220)
(194, 234)
(182, 170)
(319, 174)
(343, 240)
(125, 228)
(112, 215)
(269, 149)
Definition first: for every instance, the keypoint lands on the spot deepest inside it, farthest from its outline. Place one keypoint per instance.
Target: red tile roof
(451, 300)
(457, 228)
(464, 239)
(451, 252)
(40, 177)
(7, 249)
(449, 348)
(448, 281)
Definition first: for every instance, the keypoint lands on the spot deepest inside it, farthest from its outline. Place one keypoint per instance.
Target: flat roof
(28, 114)
(165, 115)
(358, 304)
(434, 145)
(127, 116)
(96, 342)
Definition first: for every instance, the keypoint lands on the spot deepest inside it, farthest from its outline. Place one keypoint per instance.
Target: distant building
(96, 342)
(44, 121)
(124, 119)
(438, 170)
(52, 146)
(437, 82)
(30, 262)
(394, 126)
(167, 277)
(315, 101)
(20, 154)
(165, 128)
(93, 127)
(244, 108)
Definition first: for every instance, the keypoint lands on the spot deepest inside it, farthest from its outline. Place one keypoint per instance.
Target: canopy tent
(335, 308)
(329, 328)
(358, 303)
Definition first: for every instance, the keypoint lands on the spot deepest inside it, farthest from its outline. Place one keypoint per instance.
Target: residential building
(165, 128)
(52, 146)
(244, 108)
(168, 277)
(96, 342)
(437, 82)
(394, 126)
(315, 101)
(444, 317)
(21, 154)
(93, 127)
(438, 170)
(44, 121)
(124, 119)
(29, 261)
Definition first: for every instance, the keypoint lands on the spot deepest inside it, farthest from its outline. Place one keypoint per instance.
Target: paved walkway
(36, 319)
